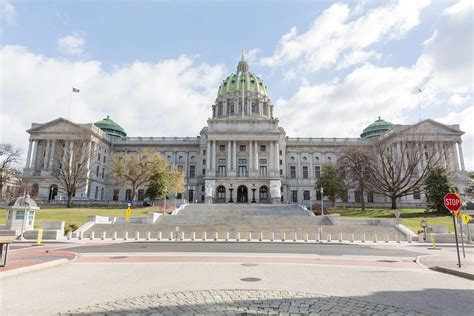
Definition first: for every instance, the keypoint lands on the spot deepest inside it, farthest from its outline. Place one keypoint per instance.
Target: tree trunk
(394, 202)
(69, 200)
(362, 200)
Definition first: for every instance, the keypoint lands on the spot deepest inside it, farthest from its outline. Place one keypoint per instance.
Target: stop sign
(452, 202)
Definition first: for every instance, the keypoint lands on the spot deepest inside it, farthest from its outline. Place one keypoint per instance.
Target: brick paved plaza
(241, 302)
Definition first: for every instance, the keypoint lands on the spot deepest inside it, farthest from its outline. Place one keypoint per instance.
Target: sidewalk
(447, 262)
(24, 257)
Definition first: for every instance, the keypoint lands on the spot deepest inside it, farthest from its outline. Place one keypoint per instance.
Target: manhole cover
(250, 279)
(249, 264)
(119, 257)
(388, 261)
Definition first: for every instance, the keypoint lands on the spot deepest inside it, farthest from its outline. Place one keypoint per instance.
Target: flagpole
(418, 91)
(69, 108)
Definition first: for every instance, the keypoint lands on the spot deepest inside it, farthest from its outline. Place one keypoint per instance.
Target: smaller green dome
(376, 129)
(110, 127)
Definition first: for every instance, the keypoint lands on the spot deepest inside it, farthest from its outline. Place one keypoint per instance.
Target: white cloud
(172, 97)
(334, 34)
(343, 107)
(8, 13)
(71, 45)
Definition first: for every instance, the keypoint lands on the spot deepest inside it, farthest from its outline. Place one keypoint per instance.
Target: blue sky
(331, 67)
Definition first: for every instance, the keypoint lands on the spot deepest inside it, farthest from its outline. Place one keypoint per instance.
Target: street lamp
(231, 188)
(322, 200)
(424, 224)
(253, 192)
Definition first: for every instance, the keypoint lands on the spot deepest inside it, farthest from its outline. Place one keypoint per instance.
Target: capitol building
(241, 156)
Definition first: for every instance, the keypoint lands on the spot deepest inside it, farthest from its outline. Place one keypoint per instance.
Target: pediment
(432, 127)
(59, 125)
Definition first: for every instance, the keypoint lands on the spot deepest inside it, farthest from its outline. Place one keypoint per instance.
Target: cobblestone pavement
(240, 302)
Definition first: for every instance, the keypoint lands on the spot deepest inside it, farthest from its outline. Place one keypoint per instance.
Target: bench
(5, 241)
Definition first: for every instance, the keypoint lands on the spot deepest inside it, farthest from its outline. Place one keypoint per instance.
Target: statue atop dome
(243, 66)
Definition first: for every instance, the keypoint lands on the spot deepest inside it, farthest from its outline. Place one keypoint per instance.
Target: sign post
(128, 212)
(453, 202)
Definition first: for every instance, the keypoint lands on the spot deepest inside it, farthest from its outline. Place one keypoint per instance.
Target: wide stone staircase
(246, 220)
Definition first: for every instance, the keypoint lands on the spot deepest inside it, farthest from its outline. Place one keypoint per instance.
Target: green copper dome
(242, 81)
(377, 128)
(110, 127)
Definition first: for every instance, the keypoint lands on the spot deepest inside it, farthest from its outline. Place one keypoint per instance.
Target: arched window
(221, 193)
(263, 193)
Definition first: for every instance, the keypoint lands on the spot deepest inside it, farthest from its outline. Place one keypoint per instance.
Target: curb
(457, 273)
(39, 266)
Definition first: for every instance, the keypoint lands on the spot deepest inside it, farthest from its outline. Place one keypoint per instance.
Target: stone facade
(242, 155)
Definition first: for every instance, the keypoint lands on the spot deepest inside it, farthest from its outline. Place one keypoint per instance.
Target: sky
(331, 67)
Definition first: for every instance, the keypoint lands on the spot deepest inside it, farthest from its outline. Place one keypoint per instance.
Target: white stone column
(277, 157)
(71, 153)
(311, 166)
(186, 166)
(33, 158)
(298, 171)
(47, 153)
(256, 156)
(455, 157)
(208, 155)
(234, 154)
(250, 146)
(28, 156)
(229, 156)
(214, 154)
(52, 154)
(461, 156)
(271, 155)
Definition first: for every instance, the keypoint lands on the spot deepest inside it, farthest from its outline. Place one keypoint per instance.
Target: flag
(75, 90)
(419, 90)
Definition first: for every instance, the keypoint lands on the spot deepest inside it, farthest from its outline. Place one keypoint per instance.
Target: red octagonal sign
(452, 201)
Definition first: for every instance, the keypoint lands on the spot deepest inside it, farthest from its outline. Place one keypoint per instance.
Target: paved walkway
(241, 302)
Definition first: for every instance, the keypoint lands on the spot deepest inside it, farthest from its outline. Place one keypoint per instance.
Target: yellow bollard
(433, 241)
(40, 237)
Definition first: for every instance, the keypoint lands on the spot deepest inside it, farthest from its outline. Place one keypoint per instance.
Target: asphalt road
(333, 249)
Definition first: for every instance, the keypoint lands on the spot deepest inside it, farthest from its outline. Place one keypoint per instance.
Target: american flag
(75, 90)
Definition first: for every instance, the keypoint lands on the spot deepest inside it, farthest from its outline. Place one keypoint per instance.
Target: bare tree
(137, 168)
(71, 165)
(355, 162)
(9, 157)
(399, 169)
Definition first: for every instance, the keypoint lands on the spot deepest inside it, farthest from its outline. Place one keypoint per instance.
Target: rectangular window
(204, 152)
(357, 196)
(97, 172)
(281, 162)
(180, 168)
(221, 171)
(103, 173)
(179, 195)
(116, 194)
(204, 162)
(262, 161)
(192, 171)
(242, 147)
(317, 172)
(294, 196)
(281, 172)
(306, 195)
(305, 172)
(104, 159)
(221, 161)
(242, 161)
(191, 195)
(141, 194)
(263, 148)
(281, 152)
(204, 172)
(293, 172)
(417, 196)
(98, 157)
(20, 215)
(262, 170)
(370, 197)
(221, 147)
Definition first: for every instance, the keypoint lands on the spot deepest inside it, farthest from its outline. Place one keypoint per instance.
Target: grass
(78, 216)
(410, 217)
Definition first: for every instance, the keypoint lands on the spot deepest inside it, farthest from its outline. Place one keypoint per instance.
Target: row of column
(253, 154)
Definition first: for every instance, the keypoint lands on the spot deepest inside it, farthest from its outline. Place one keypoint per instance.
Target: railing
(242, 174)
(325, 141)
(158, 140)
(221, 174)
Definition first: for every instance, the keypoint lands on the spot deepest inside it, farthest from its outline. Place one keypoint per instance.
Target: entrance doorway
(221, 194)
(53, 192)
(242, 194)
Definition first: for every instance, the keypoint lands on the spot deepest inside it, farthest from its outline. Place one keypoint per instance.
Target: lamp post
(253, 193)
(231, 188)
(424, 224)
(322, 200)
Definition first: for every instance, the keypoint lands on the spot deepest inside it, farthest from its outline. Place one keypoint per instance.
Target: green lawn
(78, 216)
(411, 217)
